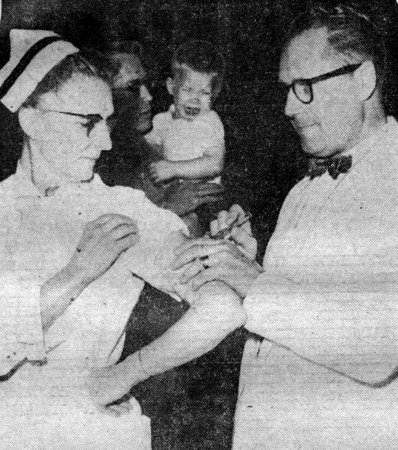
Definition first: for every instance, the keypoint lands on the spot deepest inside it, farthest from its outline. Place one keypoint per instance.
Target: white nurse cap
(33, 54)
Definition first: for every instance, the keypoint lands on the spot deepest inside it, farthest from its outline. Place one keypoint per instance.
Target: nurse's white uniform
(46, 406)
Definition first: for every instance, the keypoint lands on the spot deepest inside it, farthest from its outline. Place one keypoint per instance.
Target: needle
(225, 233)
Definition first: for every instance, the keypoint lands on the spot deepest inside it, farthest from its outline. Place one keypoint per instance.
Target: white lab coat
(327, 306)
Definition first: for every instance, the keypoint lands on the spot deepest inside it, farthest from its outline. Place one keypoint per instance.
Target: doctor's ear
(32, 122)
(366, 74)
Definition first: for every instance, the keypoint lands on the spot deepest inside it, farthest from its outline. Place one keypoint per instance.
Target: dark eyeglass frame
(309, 82)
(92, 119)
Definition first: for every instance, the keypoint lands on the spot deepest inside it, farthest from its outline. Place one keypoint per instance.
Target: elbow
(222, 306)
(231, 314)
(215, 165)
(218, 167)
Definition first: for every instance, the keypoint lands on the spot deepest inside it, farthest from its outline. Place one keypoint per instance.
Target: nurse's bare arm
(102, 242)
(215, 313)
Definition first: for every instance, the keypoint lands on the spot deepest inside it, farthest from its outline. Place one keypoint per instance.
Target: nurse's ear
(32, 122)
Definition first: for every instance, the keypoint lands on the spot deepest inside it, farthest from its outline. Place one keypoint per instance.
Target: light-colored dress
(46, 406)
(184, 140)
(327, 306)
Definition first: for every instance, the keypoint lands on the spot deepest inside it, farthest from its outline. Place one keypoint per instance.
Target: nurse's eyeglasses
(90, 120)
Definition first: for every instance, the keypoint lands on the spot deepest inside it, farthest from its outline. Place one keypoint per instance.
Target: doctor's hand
(102, 242)
(235, 226)
(206, 259)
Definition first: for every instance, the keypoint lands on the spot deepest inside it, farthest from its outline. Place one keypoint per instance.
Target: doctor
(320, 371)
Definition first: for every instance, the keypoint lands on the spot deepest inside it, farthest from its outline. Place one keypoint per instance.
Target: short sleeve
(216, 125)
(160, 231)
(209, 133)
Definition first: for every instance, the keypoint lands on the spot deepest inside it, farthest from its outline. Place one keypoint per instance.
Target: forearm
(206, 166)
(349, 327)
(215, 314)
(58, 293)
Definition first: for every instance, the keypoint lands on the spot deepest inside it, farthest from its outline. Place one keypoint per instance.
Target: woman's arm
(216, 312)
(59, 292)
(102, 242)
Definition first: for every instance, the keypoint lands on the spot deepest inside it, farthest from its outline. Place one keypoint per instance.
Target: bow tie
(335, 166)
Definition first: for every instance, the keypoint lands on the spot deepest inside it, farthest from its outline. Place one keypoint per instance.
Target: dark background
(263, 154)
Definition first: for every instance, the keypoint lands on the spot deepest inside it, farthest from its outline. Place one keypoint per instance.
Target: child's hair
(202, 57)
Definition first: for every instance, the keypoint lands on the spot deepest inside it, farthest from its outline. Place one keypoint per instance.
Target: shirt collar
(360, 150)
(24, 187)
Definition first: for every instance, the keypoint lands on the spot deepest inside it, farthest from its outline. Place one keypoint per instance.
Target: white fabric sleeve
(21, 332)
(210, 134)
(160, 232)
(347, 322)
(217, 126)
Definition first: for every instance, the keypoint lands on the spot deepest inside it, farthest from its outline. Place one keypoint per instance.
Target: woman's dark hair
(86, 62)
(123, 46)
(350, 33)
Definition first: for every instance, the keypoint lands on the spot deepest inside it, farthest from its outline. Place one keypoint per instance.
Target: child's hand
(161, 171)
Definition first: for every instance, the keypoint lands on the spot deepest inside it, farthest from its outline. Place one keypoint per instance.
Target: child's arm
(207, 166)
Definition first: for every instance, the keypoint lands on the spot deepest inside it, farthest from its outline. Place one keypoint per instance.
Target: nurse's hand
(102, 242)
(117, 409)
(107, 385)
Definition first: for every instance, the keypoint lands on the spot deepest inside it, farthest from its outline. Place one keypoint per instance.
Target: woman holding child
(70, 246)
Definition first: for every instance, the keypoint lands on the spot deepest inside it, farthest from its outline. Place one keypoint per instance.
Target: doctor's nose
(292, 105)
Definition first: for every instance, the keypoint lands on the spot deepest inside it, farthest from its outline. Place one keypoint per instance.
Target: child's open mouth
(191, 111)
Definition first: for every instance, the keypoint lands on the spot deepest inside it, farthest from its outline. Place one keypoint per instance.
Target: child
(190, 135)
